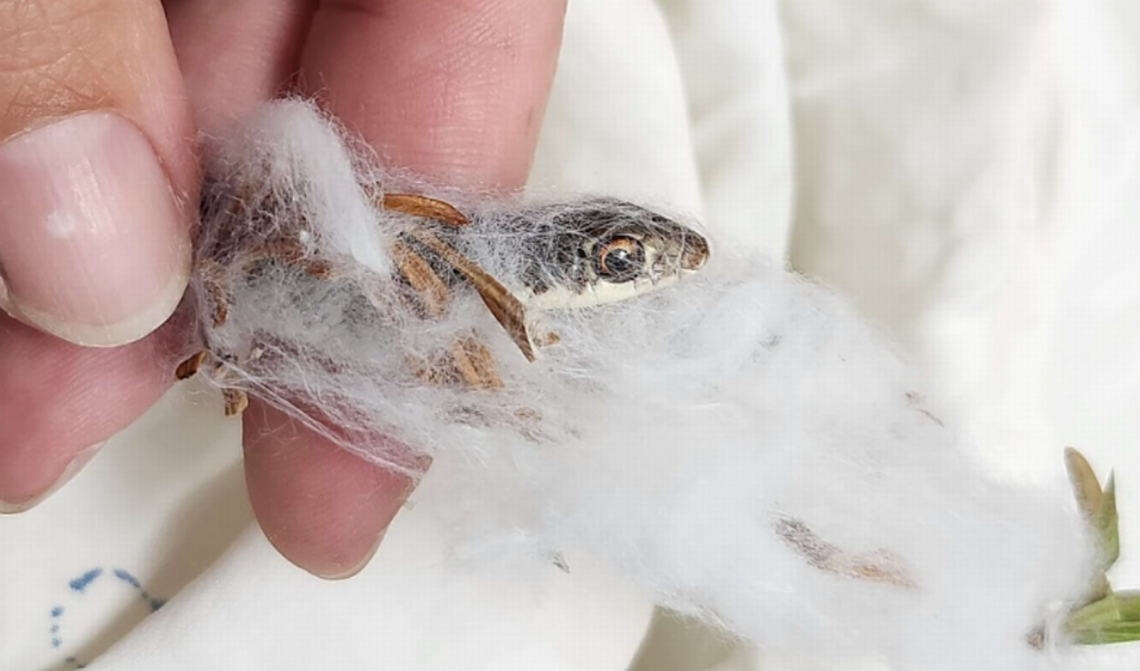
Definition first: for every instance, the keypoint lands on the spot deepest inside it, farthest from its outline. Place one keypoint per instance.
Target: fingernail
(93, 248)
(358, 567)
(74, 466)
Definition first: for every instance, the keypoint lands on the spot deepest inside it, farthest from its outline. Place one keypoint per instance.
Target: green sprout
(1105, 616)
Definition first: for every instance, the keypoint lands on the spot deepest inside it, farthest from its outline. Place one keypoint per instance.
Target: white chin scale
(598, 293)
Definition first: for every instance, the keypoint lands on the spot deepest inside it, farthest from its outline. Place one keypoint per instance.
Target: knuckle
(55, 57)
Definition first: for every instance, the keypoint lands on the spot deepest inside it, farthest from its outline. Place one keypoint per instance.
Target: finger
(320, 506)
(96, 173)
(97, 188)
(235, 54)
(59, 402)
(453, 90)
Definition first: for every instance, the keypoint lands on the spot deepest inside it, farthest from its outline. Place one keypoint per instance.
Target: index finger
(453, 90)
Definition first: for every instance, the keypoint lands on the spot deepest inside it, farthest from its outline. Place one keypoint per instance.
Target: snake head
(603, 250)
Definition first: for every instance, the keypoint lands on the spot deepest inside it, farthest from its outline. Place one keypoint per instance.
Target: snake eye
(621, 259)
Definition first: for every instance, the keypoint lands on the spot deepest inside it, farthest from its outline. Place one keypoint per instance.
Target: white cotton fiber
(740, 443)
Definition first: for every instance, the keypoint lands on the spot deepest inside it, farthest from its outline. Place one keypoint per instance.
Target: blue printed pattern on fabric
(79, 586)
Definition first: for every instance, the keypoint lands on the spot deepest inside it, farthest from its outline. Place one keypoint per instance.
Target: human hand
(100, 102)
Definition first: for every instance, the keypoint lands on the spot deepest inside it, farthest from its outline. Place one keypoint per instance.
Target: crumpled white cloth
(964, 170)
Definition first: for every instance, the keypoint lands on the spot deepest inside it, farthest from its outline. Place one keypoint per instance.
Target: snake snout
(694, 252)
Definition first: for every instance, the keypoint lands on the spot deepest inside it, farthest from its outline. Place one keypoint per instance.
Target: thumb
(97, 177)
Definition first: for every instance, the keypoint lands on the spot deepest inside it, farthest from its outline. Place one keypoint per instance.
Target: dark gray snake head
(594, 251)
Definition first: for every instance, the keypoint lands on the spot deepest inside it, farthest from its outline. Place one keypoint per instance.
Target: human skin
(104, 98)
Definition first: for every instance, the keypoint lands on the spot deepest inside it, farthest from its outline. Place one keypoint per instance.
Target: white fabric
(967, 175)
(965, 171)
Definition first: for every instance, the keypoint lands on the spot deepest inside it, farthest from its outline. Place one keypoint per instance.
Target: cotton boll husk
(741, 444)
